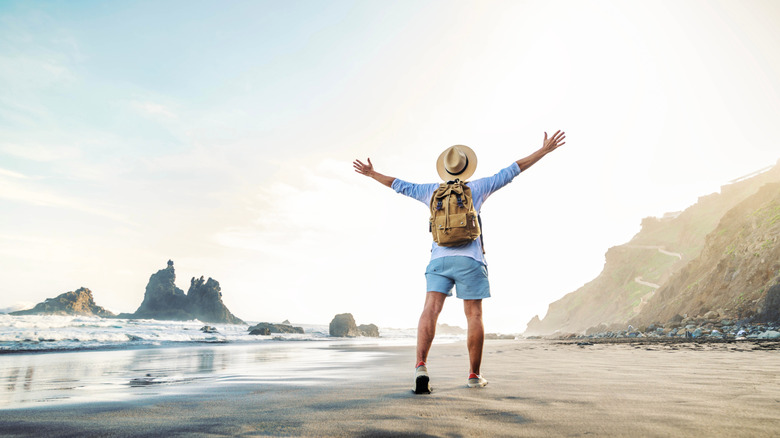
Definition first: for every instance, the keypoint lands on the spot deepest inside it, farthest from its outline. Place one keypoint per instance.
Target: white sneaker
(476, 381)
(422, 381)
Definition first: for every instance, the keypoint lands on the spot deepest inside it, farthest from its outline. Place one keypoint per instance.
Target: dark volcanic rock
(204, 301)
(273, 328)
(163, 300)
(78, 302)
(770, 308)
(343, 325)
(265, 331)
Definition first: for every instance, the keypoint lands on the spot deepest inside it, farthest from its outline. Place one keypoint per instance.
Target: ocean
(56, 333)
(52, 360)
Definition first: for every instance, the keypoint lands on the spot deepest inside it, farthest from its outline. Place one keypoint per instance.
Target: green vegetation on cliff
(637, 276)
(740, 262)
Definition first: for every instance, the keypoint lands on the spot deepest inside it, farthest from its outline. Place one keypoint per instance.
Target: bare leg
(426, 329)
(476, 333)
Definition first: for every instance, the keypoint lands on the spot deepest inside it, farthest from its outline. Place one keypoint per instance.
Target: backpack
(453, 220)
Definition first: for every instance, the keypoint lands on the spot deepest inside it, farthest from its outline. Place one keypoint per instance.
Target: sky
(221, 135)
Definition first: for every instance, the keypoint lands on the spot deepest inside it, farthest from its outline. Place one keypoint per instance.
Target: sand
(537, 388)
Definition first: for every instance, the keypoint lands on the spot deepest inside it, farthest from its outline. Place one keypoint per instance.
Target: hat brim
(466, 173)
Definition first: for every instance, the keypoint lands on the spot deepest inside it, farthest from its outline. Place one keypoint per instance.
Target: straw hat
(456, 162)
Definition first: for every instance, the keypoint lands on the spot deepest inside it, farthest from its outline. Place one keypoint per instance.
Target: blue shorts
(469, 277)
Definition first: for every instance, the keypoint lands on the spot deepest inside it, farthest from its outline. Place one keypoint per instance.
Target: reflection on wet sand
(119, 375)
(12, 376)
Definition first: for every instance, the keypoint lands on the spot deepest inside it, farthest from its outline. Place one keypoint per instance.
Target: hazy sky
(221, 135)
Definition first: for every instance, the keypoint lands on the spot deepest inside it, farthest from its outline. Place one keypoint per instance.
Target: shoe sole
(477, 385)
(422, 385)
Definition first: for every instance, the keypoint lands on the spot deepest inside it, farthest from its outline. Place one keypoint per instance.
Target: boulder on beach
(769, 334)
(78, 302)
(343, 326)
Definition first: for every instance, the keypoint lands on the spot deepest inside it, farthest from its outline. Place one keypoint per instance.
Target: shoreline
(537, 388)
(748, 344)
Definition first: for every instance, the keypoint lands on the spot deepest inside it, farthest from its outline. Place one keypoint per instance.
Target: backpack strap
(481, 234)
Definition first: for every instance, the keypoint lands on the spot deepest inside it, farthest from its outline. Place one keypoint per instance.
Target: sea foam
(31, 333)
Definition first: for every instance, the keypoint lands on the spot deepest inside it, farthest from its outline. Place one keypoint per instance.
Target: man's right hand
(363, 169)
(368, 170)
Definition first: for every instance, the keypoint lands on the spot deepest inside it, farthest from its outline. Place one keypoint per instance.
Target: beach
(537, 388)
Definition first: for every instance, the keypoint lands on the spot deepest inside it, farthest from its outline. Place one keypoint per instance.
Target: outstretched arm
(548, 146)
(368, 170)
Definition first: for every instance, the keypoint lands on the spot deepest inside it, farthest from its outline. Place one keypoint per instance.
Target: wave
(39, 333)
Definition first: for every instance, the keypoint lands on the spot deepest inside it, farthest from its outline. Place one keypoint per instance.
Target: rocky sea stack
(343, 326)
(205, 302)
(78, 302)
(163, 300)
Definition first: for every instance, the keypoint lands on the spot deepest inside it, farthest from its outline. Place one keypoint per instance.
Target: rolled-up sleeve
(486, 186)
(420, 192)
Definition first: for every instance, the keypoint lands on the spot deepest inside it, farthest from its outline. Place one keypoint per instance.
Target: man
(461, 266)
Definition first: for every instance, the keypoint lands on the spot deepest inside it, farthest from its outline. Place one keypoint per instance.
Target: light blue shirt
(480, 190)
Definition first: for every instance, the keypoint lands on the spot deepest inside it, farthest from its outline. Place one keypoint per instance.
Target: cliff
(78, 302)
(163, 300)
(739, 265)
(633, 272)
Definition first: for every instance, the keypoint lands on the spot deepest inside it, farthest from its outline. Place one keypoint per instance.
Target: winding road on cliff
(639, 280)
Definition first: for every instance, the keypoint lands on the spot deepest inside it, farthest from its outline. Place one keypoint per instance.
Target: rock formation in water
(204, 301)
(266, 328)
(343, 325)
(78, 302)
(368, 330)
(263, 331)
(163, 300)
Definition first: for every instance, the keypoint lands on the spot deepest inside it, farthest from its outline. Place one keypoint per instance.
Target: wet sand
(537, 388)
